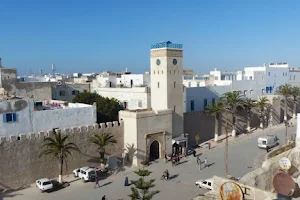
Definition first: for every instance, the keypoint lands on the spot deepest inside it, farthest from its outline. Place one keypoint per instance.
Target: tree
(248, 105)
(58, 147)
(102, 140)
(286, 91)
(233, 102)
(107, 109)
(215, 110)
(295, 92)
(143, 186)
(261, 104)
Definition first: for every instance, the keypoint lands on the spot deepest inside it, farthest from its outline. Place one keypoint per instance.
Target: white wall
(130, 95)
(137, 79)
(29, 120)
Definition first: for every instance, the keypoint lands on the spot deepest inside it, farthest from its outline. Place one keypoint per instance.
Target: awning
(179, 139)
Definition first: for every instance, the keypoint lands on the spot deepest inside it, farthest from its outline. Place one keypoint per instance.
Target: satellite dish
(284, 184)
(285, 163)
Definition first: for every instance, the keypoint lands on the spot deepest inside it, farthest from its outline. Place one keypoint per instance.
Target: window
(250, 77)
(262, 91)
(75, 92)
(174, 84)
(62, 93)
(192, 105)
(198, 84)
(140, 104)
(213, 101)
(267, 89)
(157, 84)
(269, 73)
(283, 73)
(209, 184)
(205, 103)
(290, 77)
(9, 117)
(245, 92)
(39, 103)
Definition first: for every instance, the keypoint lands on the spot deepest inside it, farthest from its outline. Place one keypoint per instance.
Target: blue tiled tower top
(167, 44)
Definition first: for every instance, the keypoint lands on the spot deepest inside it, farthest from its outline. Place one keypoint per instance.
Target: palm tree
(262, 104)
(58, 147)
(248, 105)
(286, 91)
(215, 110)
(233, 101)
(102, 140)
(295, 91)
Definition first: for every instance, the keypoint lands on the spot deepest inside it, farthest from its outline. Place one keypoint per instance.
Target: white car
(207, 184)
(44, 184)
(77, 171)
(85, 173)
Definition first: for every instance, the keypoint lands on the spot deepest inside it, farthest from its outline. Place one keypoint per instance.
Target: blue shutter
(14, 117)
(4, 118)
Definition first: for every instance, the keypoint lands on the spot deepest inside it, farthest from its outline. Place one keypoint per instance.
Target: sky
(94, 36)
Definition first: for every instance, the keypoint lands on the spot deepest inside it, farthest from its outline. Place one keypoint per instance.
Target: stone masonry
(21, 165)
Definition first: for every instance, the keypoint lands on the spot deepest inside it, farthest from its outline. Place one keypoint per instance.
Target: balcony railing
(166, 45)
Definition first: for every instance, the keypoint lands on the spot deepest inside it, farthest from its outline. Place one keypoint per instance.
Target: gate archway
(154, 150)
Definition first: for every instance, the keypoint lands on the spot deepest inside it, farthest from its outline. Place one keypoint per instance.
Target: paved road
(243, 154)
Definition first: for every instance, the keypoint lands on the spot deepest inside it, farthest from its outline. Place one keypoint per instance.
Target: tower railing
(166, 45)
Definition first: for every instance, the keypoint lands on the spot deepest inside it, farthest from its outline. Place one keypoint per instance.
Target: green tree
(215, 110)
(295, 92)
(107, 109)
(102, 140)
(233, 102)
(59, 147)
(262, 104)
(248, 105)
(286, 91)
(143, 186)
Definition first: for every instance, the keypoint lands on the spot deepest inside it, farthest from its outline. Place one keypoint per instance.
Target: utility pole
(226, 147)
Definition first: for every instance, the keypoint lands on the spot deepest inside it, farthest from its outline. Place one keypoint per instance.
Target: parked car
(87, 174)
(77, 171)
(267, 141)
(44, 184)
(207, 184)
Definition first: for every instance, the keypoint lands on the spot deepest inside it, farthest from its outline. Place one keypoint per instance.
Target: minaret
(166, 81)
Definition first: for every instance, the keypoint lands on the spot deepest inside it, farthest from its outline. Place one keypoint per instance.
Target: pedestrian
(194, 153)
(198, 159)
(96, 182)
(166, 158)
(205, 162)
(104, 198)
(267, 148)
(126, 183)
(209, 145)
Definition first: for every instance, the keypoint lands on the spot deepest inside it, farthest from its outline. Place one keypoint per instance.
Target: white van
(87, 174)
(267, 141)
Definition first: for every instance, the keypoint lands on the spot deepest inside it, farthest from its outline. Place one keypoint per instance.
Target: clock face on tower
(174, 62)
(158, 62)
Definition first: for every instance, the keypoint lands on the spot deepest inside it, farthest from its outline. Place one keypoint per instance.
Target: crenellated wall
(21, 165)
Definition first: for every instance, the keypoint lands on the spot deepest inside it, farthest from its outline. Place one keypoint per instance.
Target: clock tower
(166, 81)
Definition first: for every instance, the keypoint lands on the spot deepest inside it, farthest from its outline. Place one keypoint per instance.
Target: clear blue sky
(92, 36)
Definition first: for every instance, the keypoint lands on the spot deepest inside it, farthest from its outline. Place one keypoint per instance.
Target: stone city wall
(21, 165)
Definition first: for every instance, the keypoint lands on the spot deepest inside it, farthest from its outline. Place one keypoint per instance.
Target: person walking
(205, 162)
(126, 183)
(198, 159)
(194, 153)
(97, 182)
(104, 197)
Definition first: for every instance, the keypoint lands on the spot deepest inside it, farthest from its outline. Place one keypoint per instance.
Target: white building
(151, 131)
(22, 116)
